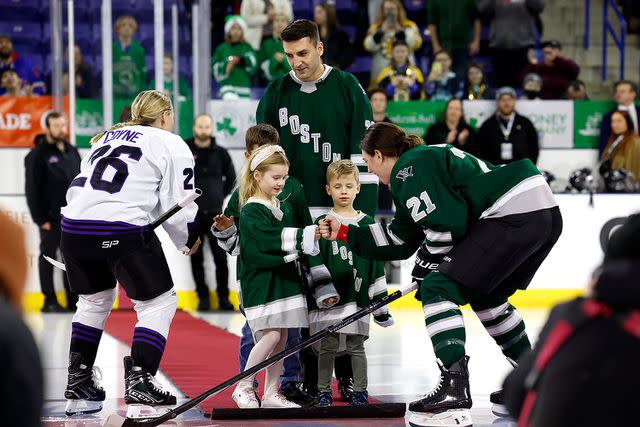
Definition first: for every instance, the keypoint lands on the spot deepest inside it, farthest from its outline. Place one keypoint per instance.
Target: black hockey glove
(425, 264)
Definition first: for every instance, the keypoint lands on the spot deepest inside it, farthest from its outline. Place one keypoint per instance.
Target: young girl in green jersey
(271, 290)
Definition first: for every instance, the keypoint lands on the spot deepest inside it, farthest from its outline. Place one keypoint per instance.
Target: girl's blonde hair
(248, 184)
(148, 107)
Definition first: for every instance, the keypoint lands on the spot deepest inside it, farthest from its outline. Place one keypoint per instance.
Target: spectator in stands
(532, 86)
(86, 84)
(338, 49)
(129, 63)
(273, 63)
(476, 85)
(11, 84)
(391, 25)
(21, 365)
(588, 347)
(577, 91)
(184, 91)
(220, 9)
(452, 129)
(234, 61)
(259, 15)
(49, 169)
(625, 97)
(623, 148)
(556, 71)
(507, 136)
(511, 35)
(379, 99)
(455, 26)
(442, 83)
(402, 80)
(29, 75)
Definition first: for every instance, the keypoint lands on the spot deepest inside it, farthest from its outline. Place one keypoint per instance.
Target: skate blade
(499, 410)
(452, 418)
(135, 411)
(80, 407)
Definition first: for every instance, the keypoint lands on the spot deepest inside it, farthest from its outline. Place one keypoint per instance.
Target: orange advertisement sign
(22, 118)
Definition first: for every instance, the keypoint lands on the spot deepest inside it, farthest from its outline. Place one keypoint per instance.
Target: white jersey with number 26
(129, 178)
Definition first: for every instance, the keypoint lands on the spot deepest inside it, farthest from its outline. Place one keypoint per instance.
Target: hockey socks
(147, 348)
(445, 327)
(507, 328)
(84, 341)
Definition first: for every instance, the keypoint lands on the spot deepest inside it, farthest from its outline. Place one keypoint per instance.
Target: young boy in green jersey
(344, 283)
(273, 63)
(129, 64)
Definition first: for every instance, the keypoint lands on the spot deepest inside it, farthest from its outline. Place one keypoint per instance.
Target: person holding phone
(442, 83)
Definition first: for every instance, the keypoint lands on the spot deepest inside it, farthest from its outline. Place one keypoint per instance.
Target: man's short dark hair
(299, 29)
(555, 44)
(378, 90)
(52, 116)
(5, 37)
(575, 85)
(8, 70)
(634, 87)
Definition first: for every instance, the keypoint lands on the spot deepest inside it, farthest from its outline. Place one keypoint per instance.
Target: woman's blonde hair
(148, 107)
(248, 184)
(402, 13)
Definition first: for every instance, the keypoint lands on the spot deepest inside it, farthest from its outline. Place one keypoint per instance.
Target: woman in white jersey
(134, 172)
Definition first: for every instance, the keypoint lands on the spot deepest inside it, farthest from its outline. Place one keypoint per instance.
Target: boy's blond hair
(341, 168)
(259, 135)
(121, 20)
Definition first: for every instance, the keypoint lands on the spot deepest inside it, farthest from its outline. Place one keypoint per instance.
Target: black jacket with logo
(48, 175)
(215, 175)
(524, 137)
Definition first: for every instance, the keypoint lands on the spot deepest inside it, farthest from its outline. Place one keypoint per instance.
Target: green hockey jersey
(239, 80)
(358, 281)
(272, 295)
(129, 70)
(270, 66)
(184, 91)
(439, 192)
(320, 122)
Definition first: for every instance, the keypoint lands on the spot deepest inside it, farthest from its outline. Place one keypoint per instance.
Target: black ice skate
(143, 391)
(83, 394)
(449, 402)
(497, 404)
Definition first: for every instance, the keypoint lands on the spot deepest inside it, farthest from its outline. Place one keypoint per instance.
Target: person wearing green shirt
(234, 61)
(129, 63)
(273, 63)
(455, 26)
(184, 91)
(482, 232)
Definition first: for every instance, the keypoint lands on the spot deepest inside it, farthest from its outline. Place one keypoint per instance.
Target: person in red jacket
(556, 71)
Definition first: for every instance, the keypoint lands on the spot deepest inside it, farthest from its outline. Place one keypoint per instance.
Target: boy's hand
(331, 301)
(221, 222)
(385, 320)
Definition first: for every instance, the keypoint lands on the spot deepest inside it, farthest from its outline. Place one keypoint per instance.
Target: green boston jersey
(439, 192)
(270, 65)
(320, 122)
(358, 281)
(272, 294)
(129, 69)
(238, 81)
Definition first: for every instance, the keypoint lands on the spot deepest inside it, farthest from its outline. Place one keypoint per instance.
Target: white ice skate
(273, 399)
(450, 418)
(245, 397)
(82, 406)
(145, 411)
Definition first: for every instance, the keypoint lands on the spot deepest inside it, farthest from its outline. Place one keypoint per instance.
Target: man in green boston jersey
(488, 228)
(321, 114)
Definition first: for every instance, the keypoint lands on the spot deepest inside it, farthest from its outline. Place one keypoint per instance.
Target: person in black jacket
(215, 176)
(591, 347)
(507, 136)
(338, 49)
(21, 382)
(49, 168)
(452, 129)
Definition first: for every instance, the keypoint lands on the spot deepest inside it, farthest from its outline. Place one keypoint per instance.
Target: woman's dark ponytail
(390, 139)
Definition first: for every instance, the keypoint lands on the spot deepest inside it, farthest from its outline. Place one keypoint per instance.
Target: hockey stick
(155, 224)
(117, 421)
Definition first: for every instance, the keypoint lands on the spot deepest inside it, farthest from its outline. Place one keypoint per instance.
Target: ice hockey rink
(401, 366)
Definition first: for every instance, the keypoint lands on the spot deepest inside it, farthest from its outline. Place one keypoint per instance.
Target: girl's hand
(221, 222)
(329, 228)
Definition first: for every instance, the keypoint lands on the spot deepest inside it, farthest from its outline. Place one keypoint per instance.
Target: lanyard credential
(506, 131)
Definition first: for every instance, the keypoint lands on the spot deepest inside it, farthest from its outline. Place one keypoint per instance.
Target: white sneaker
(245, 398)
(277, 400)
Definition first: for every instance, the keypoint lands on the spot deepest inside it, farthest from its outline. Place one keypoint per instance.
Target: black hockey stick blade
(155, 224)
(156, 421)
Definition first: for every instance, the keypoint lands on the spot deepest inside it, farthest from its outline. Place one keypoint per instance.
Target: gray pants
(327, 355)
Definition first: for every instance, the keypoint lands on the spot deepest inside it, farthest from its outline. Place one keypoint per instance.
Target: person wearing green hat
(234, 61)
